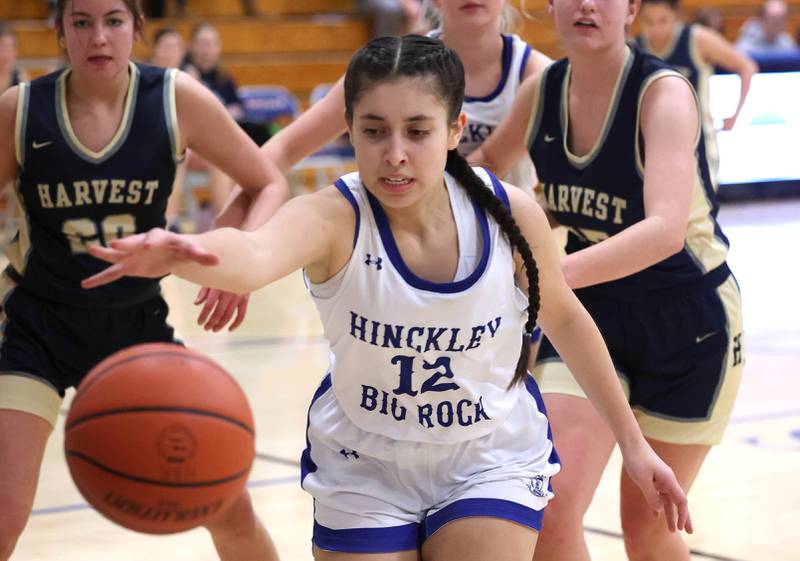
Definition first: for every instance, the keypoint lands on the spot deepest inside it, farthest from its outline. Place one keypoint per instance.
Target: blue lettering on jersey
(476, 132)
(418, 375)
(418, 338)
(445, 413)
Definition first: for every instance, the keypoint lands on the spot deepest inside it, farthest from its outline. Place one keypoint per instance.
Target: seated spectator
(168, 51)
(767, 33)
(10, 75)
(710, 18)
(205, 48)
(390, 17)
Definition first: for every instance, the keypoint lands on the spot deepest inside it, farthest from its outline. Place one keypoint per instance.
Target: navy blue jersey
(73, 196)
(681, 55)
(601, 193)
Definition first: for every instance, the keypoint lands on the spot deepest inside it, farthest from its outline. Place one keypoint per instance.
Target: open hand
(226, 303)
(660, 487)
(152, 254)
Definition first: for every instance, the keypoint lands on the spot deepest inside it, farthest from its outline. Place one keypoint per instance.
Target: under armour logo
(538, 486)
(348, 453)
(378, 261)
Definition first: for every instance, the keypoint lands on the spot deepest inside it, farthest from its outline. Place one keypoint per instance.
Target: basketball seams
(158, 409)
(136, 478)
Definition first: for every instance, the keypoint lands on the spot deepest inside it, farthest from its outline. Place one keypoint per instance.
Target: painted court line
(84, 506)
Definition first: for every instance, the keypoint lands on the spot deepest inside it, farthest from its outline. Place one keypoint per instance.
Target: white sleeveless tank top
(485, 113)
(416, 360)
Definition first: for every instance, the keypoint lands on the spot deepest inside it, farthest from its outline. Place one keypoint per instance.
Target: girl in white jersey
(428, 436)
(495, 64)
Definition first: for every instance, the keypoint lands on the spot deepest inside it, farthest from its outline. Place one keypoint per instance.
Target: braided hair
(413, 56)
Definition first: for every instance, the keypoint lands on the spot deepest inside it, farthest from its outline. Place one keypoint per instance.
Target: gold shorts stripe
(23, 393)
(554, 377)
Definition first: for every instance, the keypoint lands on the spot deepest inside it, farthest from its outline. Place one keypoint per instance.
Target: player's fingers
(241, 311)
(211, 300)
(129, 243)
(224, 311)
(105, 276)
(686, 516)
(669, 512)
(202, 294)
(106, 253)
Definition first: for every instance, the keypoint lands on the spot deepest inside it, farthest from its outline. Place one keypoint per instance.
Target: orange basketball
(159, 438)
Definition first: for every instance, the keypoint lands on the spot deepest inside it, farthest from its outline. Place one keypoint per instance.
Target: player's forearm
(630, 251)
(248, 212)
(240, 267)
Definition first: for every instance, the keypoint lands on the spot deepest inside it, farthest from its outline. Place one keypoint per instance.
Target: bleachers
(300, 43)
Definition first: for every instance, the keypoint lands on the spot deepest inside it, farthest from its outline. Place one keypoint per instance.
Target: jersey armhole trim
(21, 122)
(499, 190)
(345, 191)
(524, 62)
(171, 115)
(649, 81)
(535, 121)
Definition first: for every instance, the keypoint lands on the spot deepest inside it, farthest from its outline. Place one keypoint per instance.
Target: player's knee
(238, 519)
(639, 530)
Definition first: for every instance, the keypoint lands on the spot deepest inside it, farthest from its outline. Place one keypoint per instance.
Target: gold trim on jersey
(18, 250)
(704, 73)
(702, 244)
(20, 122)
(171, 110)
(581, 162)
(649, 81)
(537, 106)
(122, 130)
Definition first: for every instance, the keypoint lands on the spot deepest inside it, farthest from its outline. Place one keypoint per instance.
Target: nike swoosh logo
(37, 145)
(548, 138)
(701, 338)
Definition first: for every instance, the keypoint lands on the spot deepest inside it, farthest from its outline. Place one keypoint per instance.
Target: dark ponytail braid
(415, 56)
(458, 167)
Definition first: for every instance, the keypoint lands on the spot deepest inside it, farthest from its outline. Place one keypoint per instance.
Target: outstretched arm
(669, 126)
(717, 51)
(573, 332)
(311, 232)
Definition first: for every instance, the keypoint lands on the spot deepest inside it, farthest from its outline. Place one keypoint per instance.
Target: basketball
(159, 438)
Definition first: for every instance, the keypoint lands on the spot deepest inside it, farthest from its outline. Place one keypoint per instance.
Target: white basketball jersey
(416, 360)
(485, 113)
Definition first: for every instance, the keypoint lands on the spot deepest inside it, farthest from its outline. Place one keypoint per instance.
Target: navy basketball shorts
(47, 347)
(374, 494)
(679, 358)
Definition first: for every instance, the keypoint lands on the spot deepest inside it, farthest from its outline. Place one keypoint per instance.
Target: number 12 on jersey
(431, 384)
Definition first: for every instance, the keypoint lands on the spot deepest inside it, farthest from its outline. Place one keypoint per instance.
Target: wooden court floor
(745, 504)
